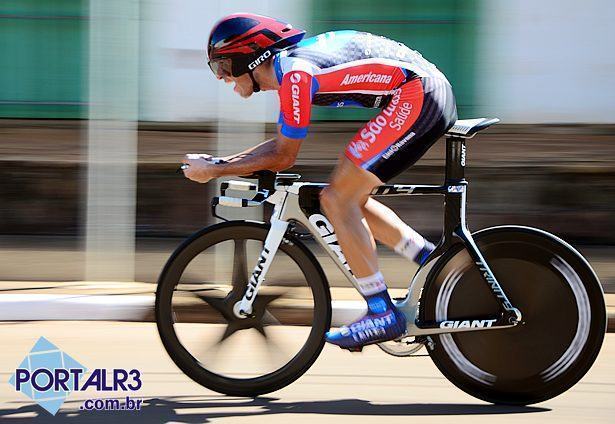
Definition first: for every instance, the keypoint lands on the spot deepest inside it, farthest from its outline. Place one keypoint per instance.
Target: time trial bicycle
(509, 314)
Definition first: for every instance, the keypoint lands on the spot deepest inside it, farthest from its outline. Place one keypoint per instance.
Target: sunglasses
(221, 67)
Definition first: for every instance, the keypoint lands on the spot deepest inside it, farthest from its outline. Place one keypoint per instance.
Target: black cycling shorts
(419, 112)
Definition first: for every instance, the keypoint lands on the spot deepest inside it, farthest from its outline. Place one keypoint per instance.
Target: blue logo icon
(376, 305)
(46, 375)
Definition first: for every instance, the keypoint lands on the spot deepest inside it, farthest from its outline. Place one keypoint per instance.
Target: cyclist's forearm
(259, 148)
(258, 158)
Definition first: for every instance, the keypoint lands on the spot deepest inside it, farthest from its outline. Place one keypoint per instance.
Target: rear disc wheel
(559, 296)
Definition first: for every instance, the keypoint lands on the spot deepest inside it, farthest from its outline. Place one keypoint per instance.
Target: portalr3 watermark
(48, 376)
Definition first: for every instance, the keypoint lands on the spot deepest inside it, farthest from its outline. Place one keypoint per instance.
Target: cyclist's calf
(342, 202)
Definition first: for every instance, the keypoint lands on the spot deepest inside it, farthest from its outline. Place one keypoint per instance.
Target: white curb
(58, 307)
(44, 307)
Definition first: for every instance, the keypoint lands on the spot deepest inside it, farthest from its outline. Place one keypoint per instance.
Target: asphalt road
(340, 387)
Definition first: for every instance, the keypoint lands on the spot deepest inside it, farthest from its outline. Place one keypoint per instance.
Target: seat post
(454, 199)
(455, 160)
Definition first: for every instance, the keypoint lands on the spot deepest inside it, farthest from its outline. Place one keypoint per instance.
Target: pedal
(357, 349)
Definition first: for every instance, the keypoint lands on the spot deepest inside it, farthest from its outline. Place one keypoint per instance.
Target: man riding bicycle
(339, 69)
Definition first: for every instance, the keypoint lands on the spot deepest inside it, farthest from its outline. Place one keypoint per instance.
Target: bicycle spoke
(270, 319)
(240, 268)
(212, 353)
(275, 352)
(230, 329)
(215, 302)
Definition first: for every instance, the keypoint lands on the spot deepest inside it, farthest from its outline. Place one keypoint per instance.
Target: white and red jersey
(343, 69)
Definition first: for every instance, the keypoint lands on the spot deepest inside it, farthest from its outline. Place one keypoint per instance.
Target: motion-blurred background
(100, 99)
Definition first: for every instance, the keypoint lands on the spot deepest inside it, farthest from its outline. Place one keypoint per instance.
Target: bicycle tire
(531, 362)
(250, 387)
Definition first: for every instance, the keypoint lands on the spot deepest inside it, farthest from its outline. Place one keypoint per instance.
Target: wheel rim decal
(575, 348)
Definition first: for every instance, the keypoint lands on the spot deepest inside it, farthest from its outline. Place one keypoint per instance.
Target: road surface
(365, 388)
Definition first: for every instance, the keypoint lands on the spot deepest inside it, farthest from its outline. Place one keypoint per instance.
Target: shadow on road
(194, 410)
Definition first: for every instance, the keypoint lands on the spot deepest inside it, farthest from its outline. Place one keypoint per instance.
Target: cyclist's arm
(295, 94)
(276, 154)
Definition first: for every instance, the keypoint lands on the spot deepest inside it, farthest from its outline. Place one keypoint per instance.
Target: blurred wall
(547, 61)
(524, 61)
(43, 45)
(177, 84)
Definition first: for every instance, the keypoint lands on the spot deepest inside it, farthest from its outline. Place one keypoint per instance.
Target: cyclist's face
(243, 84)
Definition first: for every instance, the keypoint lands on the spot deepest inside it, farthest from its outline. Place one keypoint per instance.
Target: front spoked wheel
(564, 317)
(202, 283)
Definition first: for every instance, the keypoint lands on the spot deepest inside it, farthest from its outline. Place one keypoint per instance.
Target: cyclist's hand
(199, 167)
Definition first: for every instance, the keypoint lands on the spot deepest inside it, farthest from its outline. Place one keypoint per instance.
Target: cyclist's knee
(329, 201)
(350, 187)
(335, 201)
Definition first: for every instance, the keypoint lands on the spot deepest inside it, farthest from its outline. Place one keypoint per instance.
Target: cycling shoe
(383, 322)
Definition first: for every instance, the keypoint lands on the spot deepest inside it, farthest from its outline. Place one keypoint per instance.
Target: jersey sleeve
(296, 91)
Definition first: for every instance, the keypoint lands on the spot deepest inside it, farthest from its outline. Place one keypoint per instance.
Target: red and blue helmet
(240, 42)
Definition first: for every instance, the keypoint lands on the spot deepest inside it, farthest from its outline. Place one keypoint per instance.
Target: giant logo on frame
(325, 229)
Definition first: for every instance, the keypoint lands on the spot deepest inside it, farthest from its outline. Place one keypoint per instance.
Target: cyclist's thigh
(351, 182)
(419, 113)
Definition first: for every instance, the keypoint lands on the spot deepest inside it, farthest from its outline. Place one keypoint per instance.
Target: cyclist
(339, 69)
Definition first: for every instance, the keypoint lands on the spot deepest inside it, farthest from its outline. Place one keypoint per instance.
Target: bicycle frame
(299, 202)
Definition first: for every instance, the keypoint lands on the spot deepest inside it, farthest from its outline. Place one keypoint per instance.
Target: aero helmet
(240, 42)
